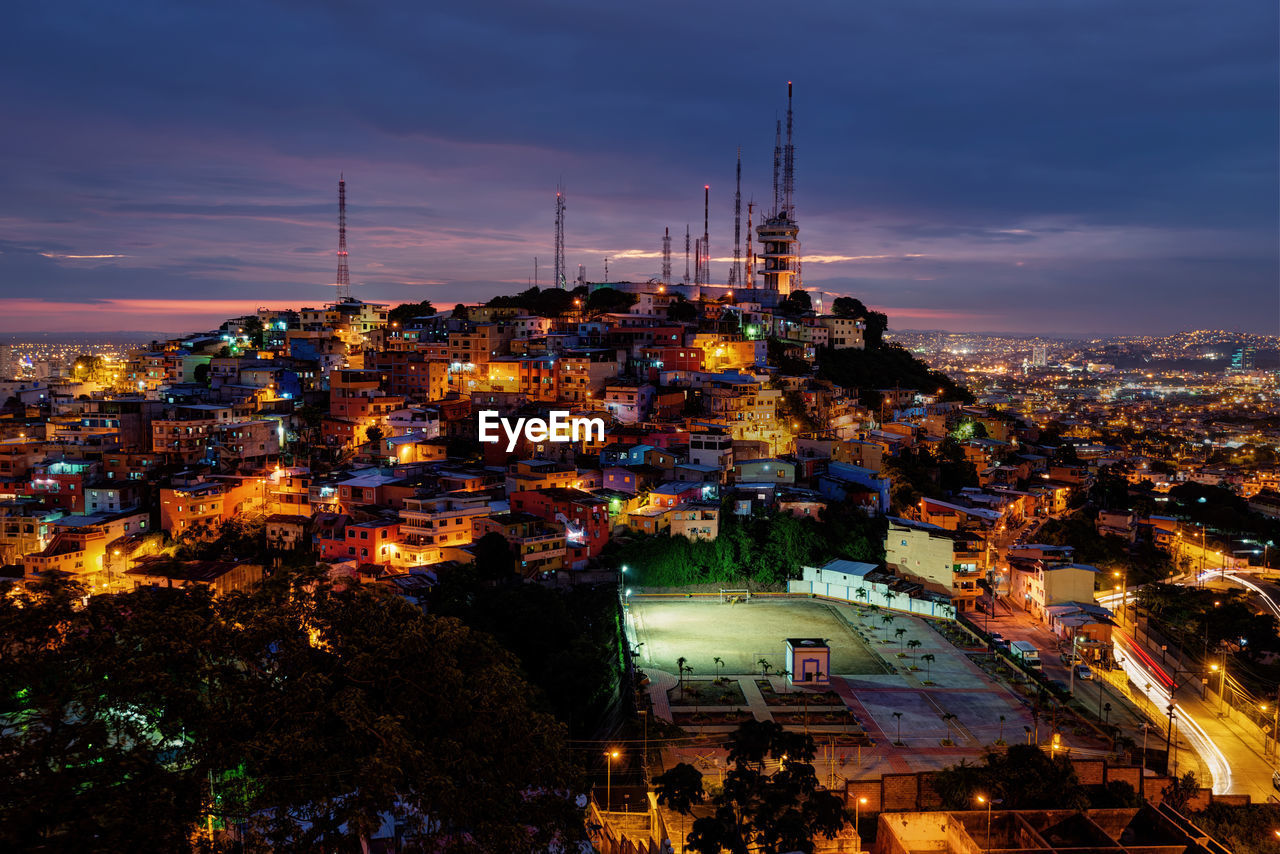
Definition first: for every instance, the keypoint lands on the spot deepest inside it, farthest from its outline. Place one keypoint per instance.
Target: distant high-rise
(6, 362)
(1039, 356)
(1241, 360)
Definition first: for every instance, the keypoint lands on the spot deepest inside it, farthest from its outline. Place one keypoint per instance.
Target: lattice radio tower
(560, 268)
(666, 257)
(735, 272)
(343, 285)
(789, 168)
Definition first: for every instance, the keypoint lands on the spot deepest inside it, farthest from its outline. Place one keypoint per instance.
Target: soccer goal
(733, 597)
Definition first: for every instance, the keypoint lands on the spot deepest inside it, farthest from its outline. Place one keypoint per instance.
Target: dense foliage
(567, 641)
(311, 712)
(920, 473)
(886, 366)
(549, 302)
(1243, 829)
(407, 311)
(1204, 617)
(1140, 562)
(1024, 777)
(877, 321)
(764, 549)
(756, 810)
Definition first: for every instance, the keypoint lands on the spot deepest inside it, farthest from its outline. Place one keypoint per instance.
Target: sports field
(701, 630)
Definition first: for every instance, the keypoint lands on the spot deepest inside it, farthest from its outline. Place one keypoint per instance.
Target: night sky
(1072, 166)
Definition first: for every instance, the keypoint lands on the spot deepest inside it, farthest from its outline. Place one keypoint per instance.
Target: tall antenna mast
(735, 272)
(789, 168)
(705, 257)
(751, 255)
(343, 287)
(686, 253)
(777, 165)
(560, 268)
(666, 256)
(606, 269)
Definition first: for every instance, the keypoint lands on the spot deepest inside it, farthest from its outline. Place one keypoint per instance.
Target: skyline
(989, 168)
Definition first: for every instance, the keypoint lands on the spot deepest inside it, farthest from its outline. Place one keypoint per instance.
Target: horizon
(1079, 172)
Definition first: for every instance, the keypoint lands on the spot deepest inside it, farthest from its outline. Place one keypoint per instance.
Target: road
(1229, 748)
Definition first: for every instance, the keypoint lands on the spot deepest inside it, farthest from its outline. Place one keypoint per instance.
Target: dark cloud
(1053, 163)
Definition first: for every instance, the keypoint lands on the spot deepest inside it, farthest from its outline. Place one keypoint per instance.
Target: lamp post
(1124, 594)
(857, 834)
(1142, 777)
(608, 785)
(983, 799)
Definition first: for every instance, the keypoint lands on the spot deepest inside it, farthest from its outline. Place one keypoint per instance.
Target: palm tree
(718, 662)
(688, 669)
(899, 633)
(927, 658)
(680, 662)
(898, 740)
(783, 674)
(913, 645)
(947, 719)
(1000, 739)
(889, 596)
(765, 667)
(887, 620)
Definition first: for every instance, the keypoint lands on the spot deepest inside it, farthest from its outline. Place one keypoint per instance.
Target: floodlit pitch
(700, 630)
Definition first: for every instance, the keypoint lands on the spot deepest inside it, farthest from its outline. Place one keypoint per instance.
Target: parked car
(997, 638)
(1083, 672)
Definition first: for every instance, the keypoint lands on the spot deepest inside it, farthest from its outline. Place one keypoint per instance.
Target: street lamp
(858, 834)
(1124, 593)
(608, 786)
(982, 799)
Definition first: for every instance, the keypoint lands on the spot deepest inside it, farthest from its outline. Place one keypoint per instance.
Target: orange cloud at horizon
(22, 314)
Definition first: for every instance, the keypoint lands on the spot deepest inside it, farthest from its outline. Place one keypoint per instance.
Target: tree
(928, 660)
(877, 321)
(291, 699)
(913, 645)
(1024, 776)
(682, 311)
(609, 301)
(765, 667)
(201, 374)
(775, 812)
(947, 718)
(795, 303)
(407, 311)
(680, 662)
(718, 662)
(461, 312)
(253, 330)
(373, 435)
(1180, 791)
(899, 633)
(495, 562)
(680, 788)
